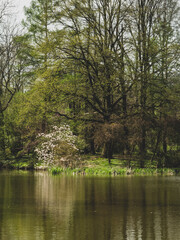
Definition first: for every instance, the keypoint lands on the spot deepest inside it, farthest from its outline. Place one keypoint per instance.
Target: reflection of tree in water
(38, 206)
(55, 198)
(17, 203)
(126, 208)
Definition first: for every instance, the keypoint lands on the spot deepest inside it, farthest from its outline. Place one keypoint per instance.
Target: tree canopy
(108, 68)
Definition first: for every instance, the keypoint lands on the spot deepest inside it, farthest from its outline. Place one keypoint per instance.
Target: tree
(38, 23)
(10, 82)
(23, 120)
(95, 54)
(150, 27)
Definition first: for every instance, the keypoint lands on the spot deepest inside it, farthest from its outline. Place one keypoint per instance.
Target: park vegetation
(91, 77)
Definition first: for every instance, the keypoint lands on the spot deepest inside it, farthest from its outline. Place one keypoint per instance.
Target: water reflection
(35, 205)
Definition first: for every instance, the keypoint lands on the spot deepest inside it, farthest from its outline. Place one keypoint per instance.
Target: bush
(58, 147)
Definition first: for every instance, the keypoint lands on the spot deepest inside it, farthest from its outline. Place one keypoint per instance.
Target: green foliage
(107, 69)
(24, 119)
(56, 170)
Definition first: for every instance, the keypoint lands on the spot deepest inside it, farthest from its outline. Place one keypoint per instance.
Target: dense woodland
(107, 68)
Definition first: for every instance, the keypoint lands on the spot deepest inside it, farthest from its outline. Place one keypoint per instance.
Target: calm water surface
(38, 206)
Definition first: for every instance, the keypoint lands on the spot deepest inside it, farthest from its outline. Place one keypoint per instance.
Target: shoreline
(95, 166)
(100, 171)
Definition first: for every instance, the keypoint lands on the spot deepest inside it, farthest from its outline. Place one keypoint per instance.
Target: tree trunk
(143, 147)
(108, 150)
(2, 141)
(156, 146)
(92, 147)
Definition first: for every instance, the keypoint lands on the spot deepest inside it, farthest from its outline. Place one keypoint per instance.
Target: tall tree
(168, 65)
(95, 47)
(145, 21)
(9, 81)
(38, 22)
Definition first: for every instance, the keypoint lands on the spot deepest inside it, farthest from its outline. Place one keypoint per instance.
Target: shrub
(57, 147)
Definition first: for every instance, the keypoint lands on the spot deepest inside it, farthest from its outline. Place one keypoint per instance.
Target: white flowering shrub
(57, 147)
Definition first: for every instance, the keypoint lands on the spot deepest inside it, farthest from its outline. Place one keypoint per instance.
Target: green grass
(100, 167)
(97, 166)
(56, 170)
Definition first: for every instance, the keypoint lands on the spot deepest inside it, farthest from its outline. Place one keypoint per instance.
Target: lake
(37, 205)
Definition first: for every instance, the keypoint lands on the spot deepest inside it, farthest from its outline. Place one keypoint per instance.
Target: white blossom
(46, 150)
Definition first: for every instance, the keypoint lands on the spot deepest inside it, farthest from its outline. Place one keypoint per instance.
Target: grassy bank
(100, 167)
(114, 171)
(96, 166)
